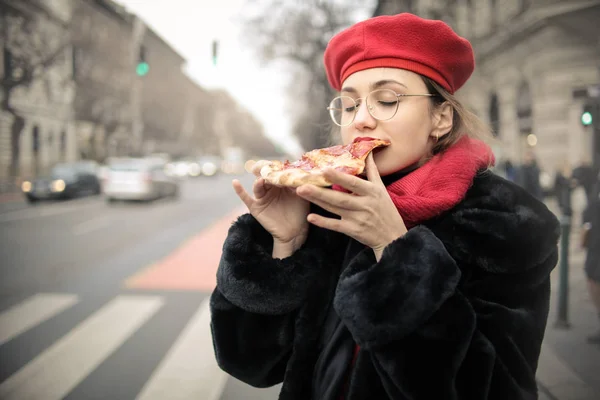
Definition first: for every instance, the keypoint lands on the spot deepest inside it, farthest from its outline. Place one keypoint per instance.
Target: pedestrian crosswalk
(186, 370)
(29, 313)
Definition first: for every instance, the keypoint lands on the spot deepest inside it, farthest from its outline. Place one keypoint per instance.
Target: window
(35, 147)
(495, 114)
(35, 140)
(63, 144)
(524, 109)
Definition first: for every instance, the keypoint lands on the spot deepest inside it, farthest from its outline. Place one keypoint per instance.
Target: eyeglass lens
(382, 105)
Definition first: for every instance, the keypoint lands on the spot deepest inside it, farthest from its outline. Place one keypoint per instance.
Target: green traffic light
(142, 68)
(586, 118)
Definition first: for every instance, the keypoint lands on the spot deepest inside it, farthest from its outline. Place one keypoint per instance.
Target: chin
(386, 169)
(390, 163)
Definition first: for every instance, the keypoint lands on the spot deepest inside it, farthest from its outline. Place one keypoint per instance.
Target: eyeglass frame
(398, 95)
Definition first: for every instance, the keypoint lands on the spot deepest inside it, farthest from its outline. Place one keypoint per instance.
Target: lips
(367, 139)
(362, 139)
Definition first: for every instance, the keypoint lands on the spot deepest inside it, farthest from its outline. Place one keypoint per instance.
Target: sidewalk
(10, 192)
(569, 367)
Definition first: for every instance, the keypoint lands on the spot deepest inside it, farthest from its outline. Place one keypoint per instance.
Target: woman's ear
(443, 118)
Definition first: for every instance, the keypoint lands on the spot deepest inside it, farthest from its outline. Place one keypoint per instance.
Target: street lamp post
(141, 68)
(562, 320)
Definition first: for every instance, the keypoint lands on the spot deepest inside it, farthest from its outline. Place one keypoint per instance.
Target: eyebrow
(375, 85)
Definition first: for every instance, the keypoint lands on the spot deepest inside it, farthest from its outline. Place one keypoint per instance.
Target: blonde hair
(464, 121)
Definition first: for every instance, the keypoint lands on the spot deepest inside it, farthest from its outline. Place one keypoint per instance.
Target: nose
(363, 119)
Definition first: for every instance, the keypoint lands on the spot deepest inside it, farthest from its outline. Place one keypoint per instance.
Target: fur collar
(506, 227)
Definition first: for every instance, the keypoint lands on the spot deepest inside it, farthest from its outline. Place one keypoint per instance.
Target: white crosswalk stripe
(32, 312)
(55, 372)
(189, 366)
(69, 364)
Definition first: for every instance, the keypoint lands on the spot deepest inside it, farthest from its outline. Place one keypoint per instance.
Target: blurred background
(122, 123)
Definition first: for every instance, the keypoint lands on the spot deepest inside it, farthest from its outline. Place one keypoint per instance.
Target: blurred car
(179, 168)
(194, 167)
(66, 180)
(209, 165)
(139, 179)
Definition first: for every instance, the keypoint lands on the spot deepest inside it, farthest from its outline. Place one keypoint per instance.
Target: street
(110, 301)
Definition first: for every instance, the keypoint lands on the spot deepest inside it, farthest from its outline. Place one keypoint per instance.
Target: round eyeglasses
(382, 104)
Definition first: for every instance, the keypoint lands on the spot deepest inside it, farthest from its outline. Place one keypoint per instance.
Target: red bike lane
(192, 266)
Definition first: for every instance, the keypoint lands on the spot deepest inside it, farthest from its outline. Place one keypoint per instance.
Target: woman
(427, 280)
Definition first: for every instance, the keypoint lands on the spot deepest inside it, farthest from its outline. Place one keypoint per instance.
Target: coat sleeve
(431, 337)
(254, 305)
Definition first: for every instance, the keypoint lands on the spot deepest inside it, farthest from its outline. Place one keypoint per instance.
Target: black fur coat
(455, 309)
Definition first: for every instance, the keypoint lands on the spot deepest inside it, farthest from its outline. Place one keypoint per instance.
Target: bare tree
(103, 110)
(30, 49)
(298, 32)
(101, 66)
(249, 134)
(239, 127)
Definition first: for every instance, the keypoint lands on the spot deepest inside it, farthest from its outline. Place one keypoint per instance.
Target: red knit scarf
(435, 187)
(441, 183)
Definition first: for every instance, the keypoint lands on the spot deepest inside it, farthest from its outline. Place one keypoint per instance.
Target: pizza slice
(348, 158)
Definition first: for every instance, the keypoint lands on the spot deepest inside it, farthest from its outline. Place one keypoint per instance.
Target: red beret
(426, 47)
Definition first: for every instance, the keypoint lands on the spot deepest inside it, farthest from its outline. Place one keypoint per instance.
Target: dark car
(67, 180)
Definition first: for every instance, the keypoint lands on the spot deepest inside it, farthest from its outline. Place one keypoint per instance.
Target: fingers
(372, 171)
(332, 224)
(259, 188)
(242, 194)
(350, 182)
(330, 200)
(255, 167)
(329, 207)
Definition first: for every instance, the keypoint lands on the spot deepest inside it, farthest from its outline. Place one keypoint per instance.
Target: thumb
(372, 171)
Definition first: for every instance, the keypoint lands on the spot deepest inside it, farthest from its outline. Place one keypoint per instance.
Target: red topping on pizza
(348, 158)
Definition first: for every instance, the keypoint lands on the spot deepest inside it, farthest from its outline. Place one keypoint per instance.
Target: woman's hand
(279, 210)
(367, 214)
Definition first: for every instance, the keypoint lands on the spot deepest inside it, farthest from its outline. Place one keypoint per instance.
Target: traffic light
(587, 118)
(215, 51)
(587, 115)
(142, 68)
(590, 115)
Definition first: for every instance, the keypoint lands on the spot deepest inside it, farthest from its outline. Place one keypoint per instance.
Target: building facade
(36, 117)
(537, 61)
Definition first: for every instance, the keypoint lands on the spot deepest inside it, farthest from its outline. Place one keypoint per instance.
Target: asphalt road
(90, 303)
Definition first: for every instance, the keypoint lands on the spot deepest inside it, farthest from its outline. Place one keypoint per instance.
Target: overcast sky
(190, 26)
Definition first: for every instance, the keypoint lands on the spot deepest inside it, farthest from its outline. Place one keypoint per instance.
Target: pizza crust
(272, 172)
(294, 177)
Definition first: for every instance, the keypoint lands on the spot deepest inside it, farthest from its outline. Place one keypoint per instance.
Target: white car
(139, 179)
